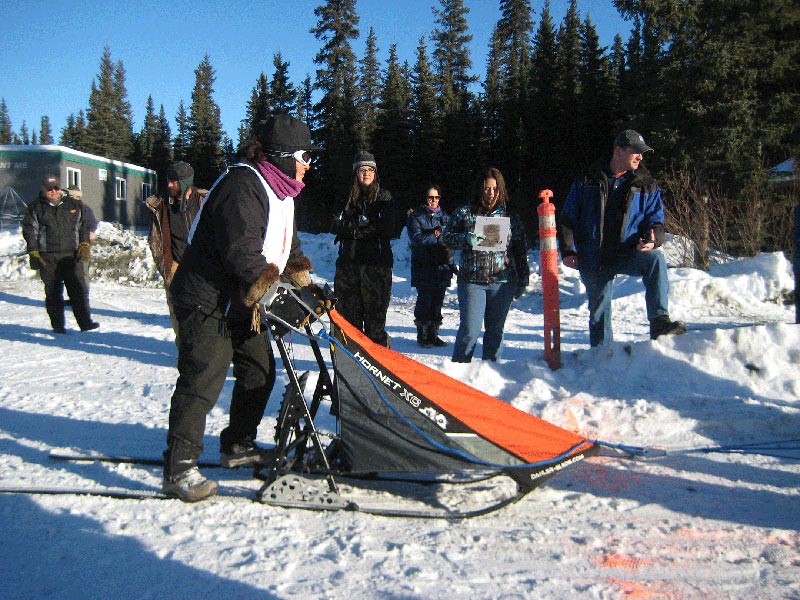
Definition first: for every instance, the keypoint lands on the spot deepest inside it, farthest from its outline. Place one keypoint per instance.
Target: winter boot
(189, 486)
(246, 454)
(433, 337)
(423, 335)
(663, 325)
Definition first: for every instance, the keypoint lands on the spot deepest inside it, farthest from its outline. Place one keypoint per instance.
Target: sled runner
(397, 422)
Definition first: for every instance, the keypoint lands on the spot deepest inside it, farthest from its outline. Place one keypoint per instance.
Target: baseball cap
(631, 138)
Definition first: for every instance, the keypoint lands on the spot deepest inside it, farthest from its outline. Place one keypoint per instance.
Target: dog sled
(407, 440)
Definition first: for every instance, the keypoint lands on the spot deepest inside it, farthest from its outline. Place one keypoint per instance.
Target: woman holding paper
(493, 269)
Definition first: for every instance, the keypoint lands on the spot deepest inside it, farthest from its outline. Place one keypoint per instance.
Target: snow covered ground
(689, 525)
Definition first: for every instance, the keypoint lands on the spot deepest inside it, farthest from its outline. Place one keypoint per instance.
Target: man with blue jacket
(612, 223)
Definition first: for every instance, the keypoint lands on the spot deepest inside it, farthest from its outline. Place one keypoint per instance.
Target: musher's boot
(246, 454)
(433, 337)
(663, 325)
(189, 486)
(423, 335)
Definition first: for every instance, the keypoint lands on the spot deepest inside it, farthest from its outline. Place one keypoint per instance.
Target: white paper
(496, 232)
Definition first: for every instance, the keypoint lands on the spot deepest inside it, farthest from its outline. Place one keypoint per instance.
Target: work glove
(35, 260)
(473, 239)
(84, 251)
(521, 289)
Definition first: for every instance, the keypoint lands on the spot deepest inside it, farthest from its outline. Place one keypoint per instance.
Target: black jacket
(224, 257)
(365, 231)
(55, 229)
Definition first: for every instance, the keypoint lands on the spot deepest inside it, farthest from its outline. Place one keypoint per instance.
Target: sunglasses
(57, 189)
(433, 197)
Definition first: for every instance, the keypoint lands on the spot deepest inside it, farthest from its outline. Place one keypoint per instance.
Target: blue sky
(50, 51)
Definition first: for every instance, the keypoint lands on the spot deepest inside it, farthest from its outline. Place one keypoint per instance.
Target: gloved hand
(569, 258)
(35, 260)
(521, 289)
(473, 239)
(321, 303)
(84, 251)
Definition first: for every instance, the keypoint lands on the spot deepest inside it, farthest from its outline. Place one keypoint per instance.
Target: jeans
(650, 266)
(478, 305)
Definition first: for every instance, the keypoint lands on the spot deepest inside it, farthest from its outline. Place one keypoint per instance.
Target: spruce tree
(81, 132)
(146, 139)
(305, 105)
(546, 111)
(391, 137)
(162, 148)
(6, 132)
(258, 109)
(24, 137)
(492, 101)
(514, 32)
(369, 91)
(109, 127)
(459, 133)
(424, 127)
(180, 144)
(68, 133)
(595, 115)
(45, 131)
(282, 95)
(335, 113)
(205, 152)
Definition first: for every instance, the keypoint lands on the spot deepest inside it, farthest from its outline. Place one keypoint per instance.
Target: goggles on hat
(304, 157)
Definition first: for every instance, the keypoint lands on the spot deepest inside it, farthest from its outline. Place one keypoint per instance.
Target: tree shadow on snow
(690, 496)
(142, 348)
(63, 555)
(82, 436)
(143, 317)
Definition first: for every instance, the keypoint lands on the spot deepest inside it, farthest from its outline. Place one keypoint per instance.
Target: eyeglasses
(52, 189)
(433, 197)
(365, 170)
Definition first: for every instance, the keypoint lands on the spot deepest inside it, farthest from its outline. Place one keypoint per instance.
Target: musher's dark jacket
(55, 229)
(224, 257)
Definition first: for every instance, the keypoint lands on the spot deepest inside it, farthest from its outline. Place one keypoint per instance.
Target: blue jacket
(582, 217)
(431, 261)
(489, 267)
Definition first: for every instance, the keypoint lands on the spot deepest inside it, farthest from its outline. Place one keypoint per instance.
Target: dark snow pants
(206, 349)
(60, 271)
(363, 293)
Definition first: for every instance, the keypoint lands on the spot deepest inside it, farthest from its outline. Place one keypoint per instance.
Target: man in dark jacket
(612, 223)
(56, 231)
(242, 241)
(172, 219)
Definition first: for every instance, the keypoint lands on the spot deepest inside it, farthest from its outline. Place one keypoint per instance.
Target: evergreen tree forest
(712, 85)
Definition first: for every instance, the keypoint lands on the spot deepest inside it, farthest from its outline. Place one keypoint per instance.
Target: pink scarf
(282, 185)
